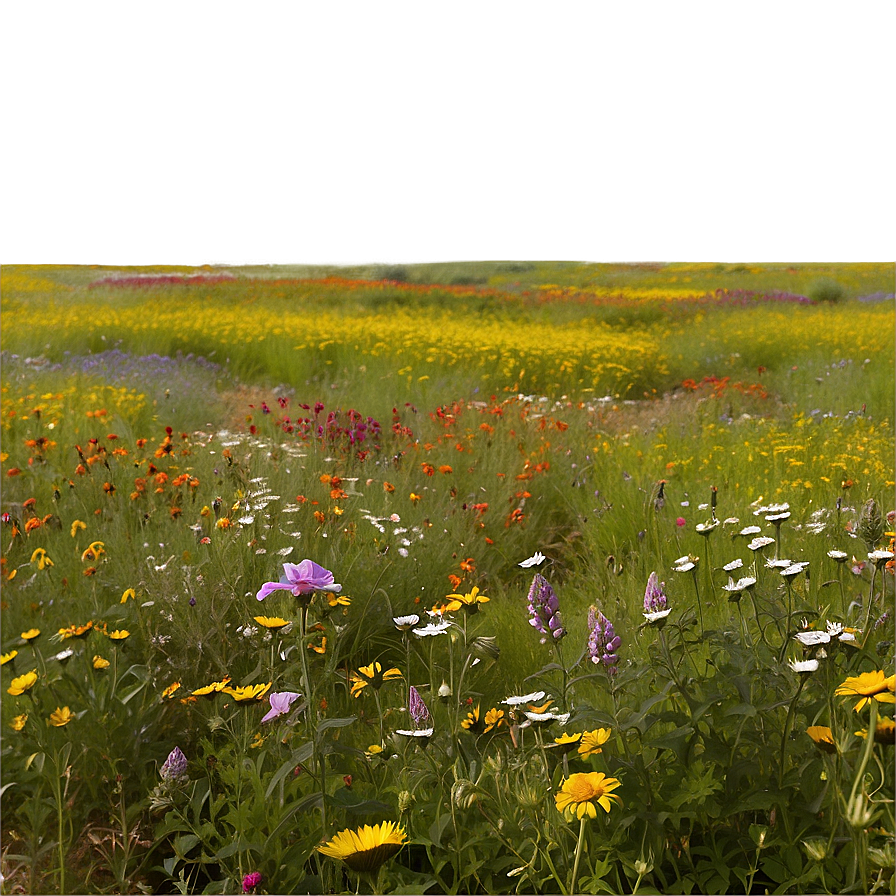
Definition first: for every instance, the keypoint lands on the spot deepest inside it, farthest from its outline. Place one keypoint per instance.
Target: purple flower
(544, 609)
(251, 881)
(280, 703)
(303, 578)
(417, 708)
(655, 608)
(603, 642)
(174, 769)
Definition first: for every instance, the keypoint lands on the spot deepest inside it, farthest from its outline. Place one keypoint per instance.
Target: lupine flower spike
(603, 642)
(544, 609)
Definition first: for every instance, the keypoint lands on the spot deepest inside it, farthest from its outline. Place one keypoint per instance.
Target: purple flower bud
(174, 769)
(654, 596)
(544, 609)
(417, 708)
(603, 642)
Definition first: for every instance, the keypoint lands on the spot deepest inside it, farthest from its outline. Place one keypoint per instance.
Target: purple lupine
(417, 708)
(655, 607)
(544, 609)
(174, 769)
(603, 642)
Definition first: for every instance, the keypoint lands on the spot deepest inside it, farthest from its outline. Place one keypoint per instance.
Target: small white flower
(803, 665)
(740, 585)
(655, 617)
(433, 629)
(534, 697)
(64, 654)
(535, 560)
(794, 569)
(686, 566)
(730, 521)
(777, 517)
(839, 556)
(762, 542)
(418, 732)
(812, 638)
(707, 527)
(777, 564)
(750, 530)
(561, 717)
(880, 556)
(285, 552)
(403, 623)
(734, 564)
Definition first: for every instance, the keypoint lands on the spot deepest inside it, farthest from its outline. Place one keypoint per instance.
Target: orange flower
(445, 468)
(388, 487)
(319, 516)
(108, 488)
(32, 524)
(414, 498)
(468, 565)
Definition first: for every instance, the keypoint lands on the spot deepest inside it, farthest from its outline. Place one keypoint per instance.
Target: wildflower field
(485, 578)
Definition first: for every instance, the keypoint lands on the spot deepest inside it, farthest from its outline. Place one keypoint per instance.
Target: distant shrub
(826, 290)
(396, 273)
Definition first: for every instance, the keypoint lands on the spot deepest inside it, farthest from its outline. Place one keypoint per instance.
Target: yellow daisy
(100, 663)
(212, 688)
(169, 691)
(494, 718)
(119, 634)
(823, 738)
(566, 742)
(884, 732)
(60, 717)
(338, 600)
(592, 741)
(22, 683)
(128, 594)
(365, 849)
(8, 657)
(77, 524)
(579, 793)
(271, 621)
(473, 722)
(372, 675)
(469, 601)
(31, 634)
(249, 692)
(869, 686)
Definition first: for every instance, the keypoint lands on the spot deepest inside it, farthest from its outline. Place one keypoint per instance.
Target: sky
(400, 132)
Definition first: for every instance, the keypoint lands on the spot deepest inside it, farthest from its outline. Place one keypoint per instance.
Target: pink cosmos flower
(280, 703)
(301, 578)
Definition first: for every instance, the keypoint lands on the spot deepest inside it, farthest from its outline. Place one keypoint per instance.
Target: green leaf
(302, 754)
(333, 723)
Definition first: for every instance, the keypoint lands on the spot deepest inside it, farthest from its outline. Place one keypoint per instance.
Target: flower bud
(464, 793)
(174, 769)
(405, 800)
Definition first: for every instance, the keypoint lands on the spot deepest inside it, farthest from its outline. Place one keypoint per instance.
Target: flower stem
(575, 867)
(870, 605)
(787, 724)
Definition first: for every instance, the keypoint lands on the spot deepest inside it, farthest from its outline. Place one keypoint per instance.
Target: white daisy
(535, 560)
(803, 665)
(534, 697)
(734, 564)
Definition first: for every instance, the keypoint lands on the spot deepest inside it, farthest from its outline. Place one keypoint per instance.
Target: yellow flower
(884, 732)
(60, 717)
(119, 634)
(372, 675)
(472, 722)
(170, 689)
(73, 631)
(414, 498)
(469, 601)
(93, 552)
(18, 723)
(579, 793)
(249, 692)
(592, 741)
(77, 524)
(100, 663)
(271, 621)
(494, 718)
(22, 683)
(567, 741)
(869, 686)
(338, 600)
(128, 594)
(365, 849)
(42, 559)
(7, 657)
(212, 688)
(823, 738)
(31, 634)
(373, 750)
(258, 741)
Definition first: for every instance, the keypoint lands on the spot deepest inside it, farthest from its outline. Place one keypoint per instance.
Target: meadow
(470, 578)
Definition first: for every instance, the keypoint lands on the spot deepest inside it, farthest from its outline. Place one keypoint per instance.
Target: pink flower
(280, 703)
(251, 881)
(681, 521)
(302, 578)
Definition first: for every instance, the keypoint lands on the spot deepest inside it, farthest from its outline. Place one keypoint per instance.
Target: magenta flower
(303, 578)
(681, 521)
(251, 881)
(280, 703)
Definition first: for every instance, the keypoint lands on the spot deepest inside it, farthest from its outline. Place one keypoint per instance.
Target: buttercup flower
(280, 702)
(300, 579)
(213, 688)
(365, 849)
(544, 609)
(18, 722)
(169, 691)
(469, 601)
(8, 657)
(372, 675)
(869, 686)
(579, 794)
(99, 662)
(22, 683)
(592, 741)
(31, 634)
(567, 742)
(271, 621)
(60, 717)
